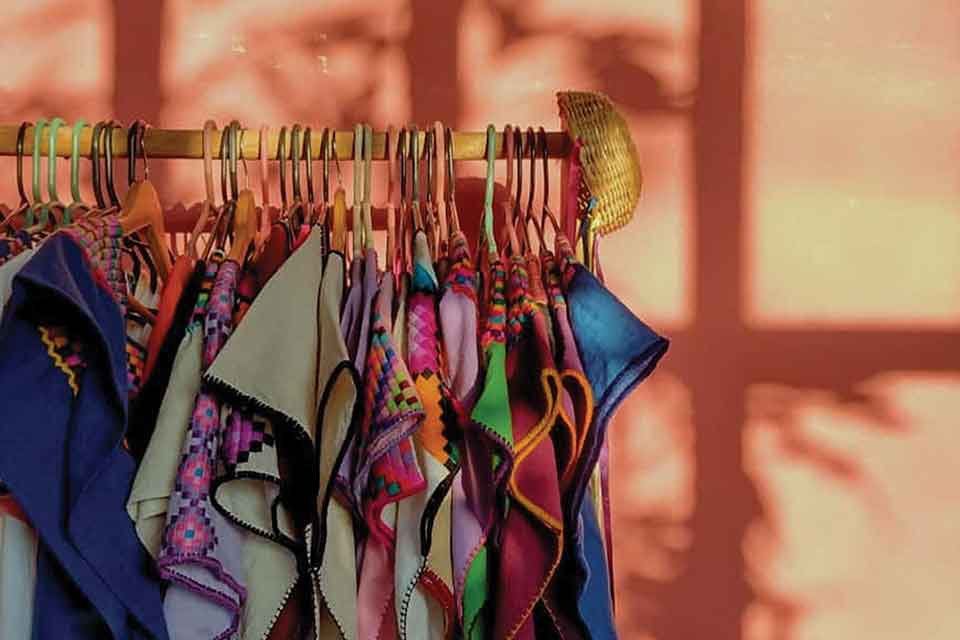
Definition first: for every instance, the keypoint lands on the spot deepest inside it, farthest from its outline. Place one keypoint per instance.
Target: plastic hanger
(221, 224)
(31, 217)
(324, 177)
(308, 166)
(53, 197)
(487, 235)
(209, 202)
(391, 193)
(367, 186)
(113, 199)
(530, 149)
(245, 212)
(357, 226)
(96, 184)
(282, 163)
(546, 214)
(297, 211)
(24, 201)
(450, 185)
(142, 212)
(76, 204)
(509, 143)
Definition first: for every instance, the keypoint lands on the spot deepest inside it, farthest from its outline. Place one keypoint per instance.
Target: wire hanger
(24, 201)
(142, 212)
(209, 202)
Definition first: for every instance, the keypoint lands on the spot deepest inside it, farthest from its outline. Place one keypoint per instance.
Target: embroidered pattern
(518, 315)
(495, 329)
(136, 361)
(461, 277)
(66, 352)
(388, 469)
(190, 535)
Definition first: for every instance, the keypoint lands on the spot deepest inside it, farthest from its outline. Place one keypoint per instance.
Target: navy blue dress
(63, 405)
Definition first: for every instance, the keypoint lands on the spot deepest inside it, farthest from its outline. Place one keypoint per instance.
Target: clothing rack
(188, 143)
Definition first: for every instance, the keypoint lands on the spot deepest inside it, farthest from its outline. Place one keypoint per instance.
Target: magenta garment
(201, 555)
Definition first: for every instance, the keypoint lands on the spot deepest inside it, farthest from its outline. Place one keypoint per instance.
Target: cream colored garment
(18, 575)
(270, 361)
(283, 356)
(419, 614)
(156, 477)
(335, 585)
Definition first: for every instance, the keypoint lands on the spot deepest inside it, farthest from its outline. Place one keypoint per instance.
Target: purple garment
(355, 324)
(458, 329)
(201, 555)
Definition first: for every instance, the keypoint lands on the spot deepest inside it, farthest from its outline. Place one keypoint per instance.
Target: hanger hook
(108, 163)
(95, 138)
(78, 126)
(132, 133)
(21, 135)
(234, 136)
(325, 145)
(282, 160)
(308, 158)
(295, 161)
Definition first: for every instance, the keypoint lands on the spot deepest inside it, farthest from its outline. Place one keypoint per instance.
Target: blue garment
(594, 596)
(63, 404)
(618, 352)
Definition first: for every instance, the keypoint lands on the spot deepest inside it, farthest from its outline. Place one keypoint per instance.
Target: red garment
(172, 290)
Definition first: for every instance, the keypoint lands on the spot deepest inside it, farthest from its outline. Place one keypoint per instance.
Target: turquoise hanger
(488, 234)
(77, 199)
(30, 219)
(54, 199)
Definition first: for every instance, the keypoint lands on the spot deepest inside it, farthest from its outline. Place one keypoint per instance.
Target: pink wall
(790, 472)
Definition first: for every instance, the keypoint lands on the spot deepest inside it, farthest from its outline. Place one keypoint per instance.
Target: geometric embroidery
(67, 353)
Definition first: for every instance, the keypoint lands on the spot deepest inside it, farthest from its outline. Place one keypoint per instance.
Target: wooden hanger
(357, 226)
(209, 204)
(245, 208)
(391, 193)
(367, 185)
(263, 233)
(450, 193)
(339, 222)
(439, 185)
(142, 212)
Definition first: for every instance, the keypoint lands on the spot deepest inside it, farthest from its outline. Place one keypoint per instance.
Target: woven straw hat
(611, 166)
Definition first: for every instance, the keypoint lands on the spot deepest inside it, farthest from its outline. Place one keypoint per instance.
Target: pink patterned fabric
(201, 551)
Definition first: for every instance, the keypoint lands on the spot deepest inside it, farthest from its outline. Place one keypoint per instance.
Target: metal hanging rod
(187, 143)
